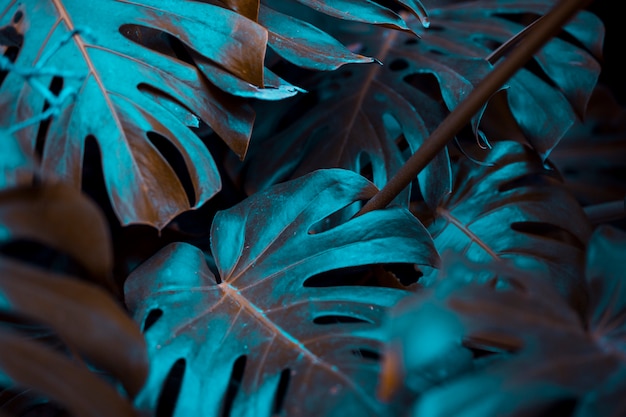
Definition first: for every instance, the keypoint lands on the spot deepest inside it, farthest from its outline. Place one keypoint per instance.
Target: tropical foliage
(182, 222)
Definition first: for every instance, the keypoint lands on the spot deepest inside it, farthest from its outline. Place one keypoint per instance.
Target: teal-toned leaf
(606, 280)
(594, 150)
(16, 168)
(364, 118)
(512, 209)
(358, 10)
(264, 309)
(114, 66)
(546, 101)
(305, 45)
(544, 353)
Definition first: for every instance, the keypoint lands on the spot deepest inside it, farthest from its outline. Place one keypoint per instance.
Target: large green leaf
(263, 333)
(126, 92)
(510, 208)
(62, 337)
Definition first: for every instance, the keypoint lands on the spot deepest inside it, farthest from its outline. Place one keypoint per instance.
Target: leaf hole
(530, 180)
(411, 41)
(168, 397)
(335, 219)
(362, 275)
(364, 166)
(178, 109)
(366, 354)
(153, 316)
(549, 231)
(427, 84)
(18, 16)
(564, 407)
(236, 376)
(398, 65)
(156, 40)
(55, 87)
(338, 319)
(281, 391)
(406, 274)
(176, 161)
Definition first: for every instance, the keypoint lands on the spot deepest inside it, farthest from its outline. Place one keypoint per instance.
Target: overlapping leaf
(52, 322)
(545, 101)
(554, 359)
(126, 91)
(364, 118)
(262, 324)
(510, 208)
(594, 152)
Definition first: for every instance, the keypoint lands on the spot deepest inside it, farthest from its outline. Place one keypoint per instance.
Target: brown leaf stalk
(541, 32)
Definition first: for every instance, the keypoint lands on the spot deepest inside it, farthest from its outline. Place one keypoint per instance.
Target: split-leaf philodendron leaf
(510, 208)
(545, 100)
(258, 336)
(125, 91)
(544, 352)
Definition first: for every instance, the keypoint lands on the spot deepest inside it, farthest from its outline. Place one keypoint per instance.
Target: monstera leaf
(594, 152)
(364, 118)
(16, 168)
(546, 98)
(307, 46)
(371, 118)
(47, 280)
(127, 94)
(262, 331)
(512, 209)
(555, 360)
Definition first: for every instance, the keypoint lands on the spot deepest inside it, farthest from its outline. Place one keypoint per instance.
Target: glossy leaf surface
(364, 118)
(545, 98)
(512, 209)
(553, 356)
(124, 91)
(264, 309)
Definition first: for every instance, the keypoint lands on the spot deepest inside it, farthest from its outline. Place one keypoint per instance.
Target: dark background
(613, 65)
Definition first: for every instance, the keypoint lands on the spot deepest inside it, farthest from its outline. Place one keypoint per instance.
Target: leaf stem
(542, 32)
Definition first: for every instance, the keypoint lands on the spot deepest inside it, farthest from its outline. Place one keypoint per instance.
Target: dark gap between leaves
(336, 218)
(55, 87)
(403, 275)
(234, 384)
(168, 397)
(366, 354)
(398, 64)
(281, 391)
(338, 319)
(39, 255)
(427, 84)
(563, 407)
(364, 164)
(549, 231)
(175, 159)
